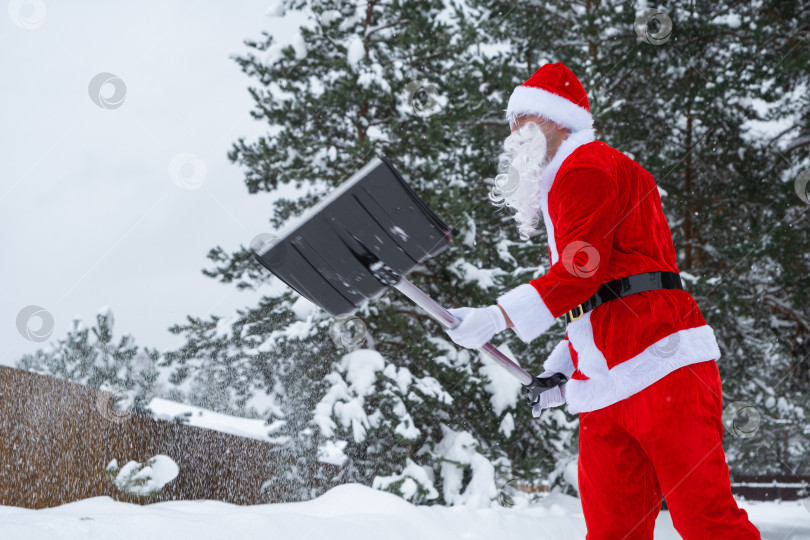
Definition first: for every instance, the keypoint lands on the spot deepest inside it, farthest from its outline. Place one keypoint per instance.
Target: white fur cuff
(527, 311)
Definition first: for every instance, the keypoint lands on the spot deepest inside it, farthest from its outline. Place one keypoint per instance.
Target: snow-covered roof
(165, 409)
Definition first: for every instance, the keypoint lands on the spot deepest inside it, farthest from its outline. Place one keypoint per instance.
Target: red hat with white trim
(553, 92)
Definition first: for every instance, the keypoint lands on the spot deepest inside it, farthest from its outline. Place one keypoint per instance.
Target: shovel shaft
(446, 319)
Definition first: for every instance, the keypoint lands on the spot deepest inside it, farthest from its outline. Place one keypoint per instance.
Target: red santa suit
(642, 368)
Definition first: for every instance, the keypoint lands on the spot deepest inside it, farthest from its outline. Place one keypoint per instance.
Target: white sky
(89, 214)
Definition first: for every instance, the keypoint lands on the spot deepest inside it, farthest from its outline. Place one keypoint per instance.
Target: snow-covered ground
(348, 512)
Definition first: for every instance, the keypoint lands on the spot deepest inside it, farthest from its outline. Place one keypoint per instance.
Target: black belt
(626, 286)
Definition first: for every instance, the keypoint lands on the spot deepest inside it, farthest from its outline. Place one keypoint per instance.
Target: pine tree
(91, 356)
(373, 78)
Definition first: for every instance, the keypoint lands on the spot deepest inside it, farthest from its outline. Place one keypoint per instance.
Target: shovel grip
(446, 319)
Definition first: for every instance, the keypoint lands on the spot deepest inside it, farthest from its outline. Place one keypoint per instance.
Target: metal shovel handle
(446, 319)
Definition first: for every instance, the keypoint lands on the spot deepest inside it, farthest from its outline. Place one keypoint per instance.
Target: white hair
(517, 185)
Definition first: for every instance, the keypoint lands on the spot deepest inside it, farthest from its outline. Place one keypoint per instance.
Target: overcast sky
(89, 212)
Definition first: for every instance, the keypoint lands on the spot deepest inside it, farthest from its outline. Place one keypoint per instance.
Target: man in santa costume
(640, 358)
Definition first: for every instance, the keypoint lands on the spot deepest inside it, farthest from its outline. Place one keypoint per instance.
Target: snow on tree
(91, 356)
(142, 479)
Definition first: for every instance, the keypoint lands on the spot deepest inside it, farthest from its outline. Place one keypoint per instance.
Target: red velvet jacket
(604, 221)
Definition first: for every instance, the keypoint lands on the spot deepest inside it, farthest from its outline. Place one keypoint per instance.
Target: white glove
(477, 325)
(550, 398)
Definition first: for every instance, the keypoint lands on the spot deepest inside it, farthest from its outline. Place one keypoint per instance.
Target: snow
(298, 330)
(356, 51)
(276, 9)
(483, 277)
(286, 18)
(503, 387)
(433, 388)
(300, 47)
(372, 74)
(347, 512)
(570, 473)
(469, 234)
(411, 477)
(507, 425)
(396, 230)
(458, 449)
(224, 327)
(243, 427)
(402, 376)
(346, 396)
(351, 413)
(303, 308)
(766, 126)
(503, 251)
(406, 428)
(731, 20)
(323, 411)
(332, 452)
(137, 479)
(361, 367)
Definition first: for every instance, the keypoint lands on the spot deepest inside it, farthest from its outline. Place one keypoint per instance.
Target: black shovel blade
(372, 220)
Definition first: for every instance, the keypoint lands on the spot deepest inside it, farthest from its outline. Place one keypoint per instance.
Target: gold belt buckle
(571, 313)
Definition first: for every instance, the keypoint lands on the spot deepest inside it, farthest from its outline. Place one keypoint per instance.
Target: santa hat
(553, 92)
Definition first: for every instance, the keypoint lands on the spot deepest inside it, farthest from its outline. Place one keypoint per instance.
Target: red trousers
(664, 440)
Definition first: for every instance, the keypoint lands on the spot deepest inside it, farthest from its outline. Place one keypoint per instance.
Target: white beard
(517, 185)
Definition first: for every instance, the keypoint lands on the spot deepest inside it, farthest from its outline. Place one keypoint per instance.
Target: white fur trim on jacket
(560, 361)
(531, 100)
(591, 361)
(607, 386)
(567, 147)
(527, 311)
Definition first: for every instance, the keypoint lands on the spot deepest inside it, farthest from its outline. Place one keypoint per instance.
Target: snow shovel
(363, 238)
